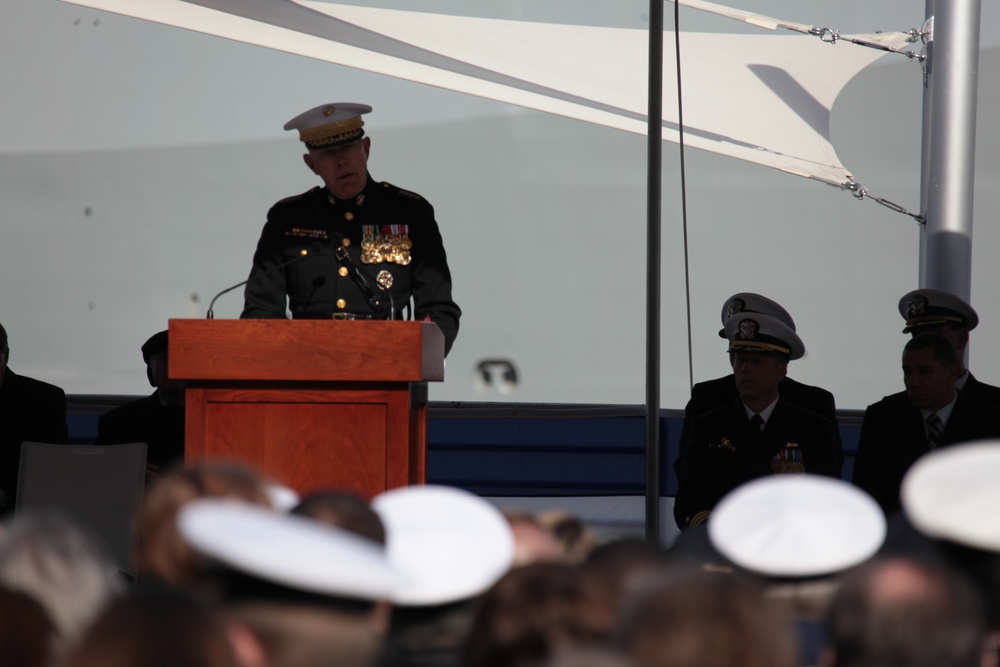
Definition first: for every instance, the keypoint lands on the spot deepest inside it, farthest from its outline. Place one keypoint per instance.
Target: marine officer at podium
(354, 248)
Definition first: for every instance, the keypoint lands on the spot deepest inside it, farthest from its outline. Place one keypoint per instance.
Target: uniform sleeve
(830, 459)
(869, 464)
(694, 499)
(264, 294)
(431, 278)
(51, 424)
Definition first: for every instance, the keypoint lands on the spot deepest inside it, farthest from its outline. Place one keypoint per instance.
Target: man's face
(930, 385)
(758, 374)
(343, 168)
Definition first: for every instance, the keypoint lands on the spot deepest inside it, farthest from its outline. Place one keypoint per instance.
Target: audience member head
(797, 532)
(344, 510)
(622, 566)
(703, 619)
(26, 631)
(536, 611)
(904, 613)
(576, 540)
(161, 554)
(55, 562)
(951, 496)
(447, 545)
(154, 354)
(930, 369)
(154, 629)
(797, 526)
(303, 592)
(533, 541)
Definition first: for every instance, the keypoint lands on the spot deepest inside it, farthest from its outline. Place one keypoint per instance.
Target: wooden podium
(314, 404)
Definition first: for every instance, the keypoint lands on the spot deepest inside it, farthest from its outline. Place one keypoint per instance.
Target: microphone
(359, 279)
(314, 249)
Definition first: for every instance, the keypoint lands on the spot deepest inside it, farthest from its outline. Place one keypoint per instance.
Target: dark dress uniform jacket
(146, 420)
(893, 438)
(726, 450)
(316, 286)
(30, 411)
(981, 390)
(709, 395)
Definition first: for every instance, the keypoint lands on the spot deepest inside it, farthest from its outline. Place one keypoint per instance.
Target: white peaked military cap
(756, 332)
(952, 494)
(797, 526)
(750, 302)
(291, 551)
(330, 124)
(446, 544)
(931, 307)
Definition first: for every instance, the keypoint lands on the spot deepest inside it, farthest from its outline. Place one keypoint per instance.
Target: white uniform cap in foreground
(292, 551)
(797, 526)
(952, 493)
(446, 544)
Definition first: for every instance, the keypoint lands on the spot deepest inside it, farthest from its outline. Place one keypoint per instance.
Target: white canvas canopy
(765, 99)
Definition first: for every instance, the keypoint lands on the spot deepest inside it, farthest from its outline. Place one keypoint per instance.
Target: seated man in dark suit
(931, 413)
(30, 411)
(706, 396)
(934, 311)
(759, 432)
(157, 420)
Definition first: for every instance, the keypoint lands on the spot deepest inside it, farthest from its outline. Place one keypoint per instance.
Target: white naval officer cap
(756, 332)
(446, 544)
(750, 302)
(330, 124)
(952, 494)
(797, 526)
(289, 552)
(932, 307)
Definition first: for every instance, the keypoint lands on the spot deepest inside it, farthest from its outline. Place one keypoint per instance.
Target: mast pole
(946, 255)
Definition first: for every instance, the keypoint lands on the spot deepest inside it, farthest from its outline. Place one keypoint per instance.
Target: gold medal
(384, 279)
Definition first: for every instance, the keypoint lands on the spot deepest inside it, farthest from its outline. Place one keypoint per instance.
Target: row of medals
(395, 249)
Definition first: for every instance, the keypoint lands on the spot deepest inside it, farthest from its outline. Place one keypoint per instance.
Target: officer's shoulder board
(295, 198)
(401, 192)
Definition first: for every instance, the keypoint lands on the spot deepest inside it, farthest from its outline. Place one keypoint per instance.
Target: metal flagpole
(654, 150)
(947, 243)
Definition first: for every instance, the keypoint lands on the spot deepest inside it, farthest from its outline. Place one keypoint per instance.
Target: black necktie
(757, 427)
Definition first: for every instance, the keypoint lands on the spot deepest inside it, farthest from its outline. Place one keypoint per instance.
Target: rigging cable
(683, 175)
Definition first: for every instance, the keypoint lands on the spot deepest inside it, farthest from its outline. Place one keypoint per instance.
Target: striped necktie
(935, 427)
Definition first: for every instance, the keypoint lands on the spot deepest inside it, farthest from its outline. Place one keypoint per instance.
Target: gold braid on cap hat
(331, 133)
(758, 346)
(934, 319)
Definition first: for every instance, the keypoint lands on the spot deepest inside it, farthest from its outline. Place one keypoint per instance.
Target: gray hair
(61, 566)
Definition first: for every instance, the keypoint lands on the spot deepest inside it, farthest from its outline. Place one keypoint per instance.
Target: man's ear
(366, 144)
(308, 159)
(963, 338)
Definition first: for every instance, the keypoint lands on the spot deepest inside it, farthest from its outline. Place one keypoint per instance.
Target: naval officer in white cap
(758, 433)
(353, 248)
(935, 311)
(710, 394)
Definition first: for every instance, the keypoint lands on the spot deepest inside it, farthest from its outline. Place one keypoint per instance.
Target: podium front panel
(307, 439)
